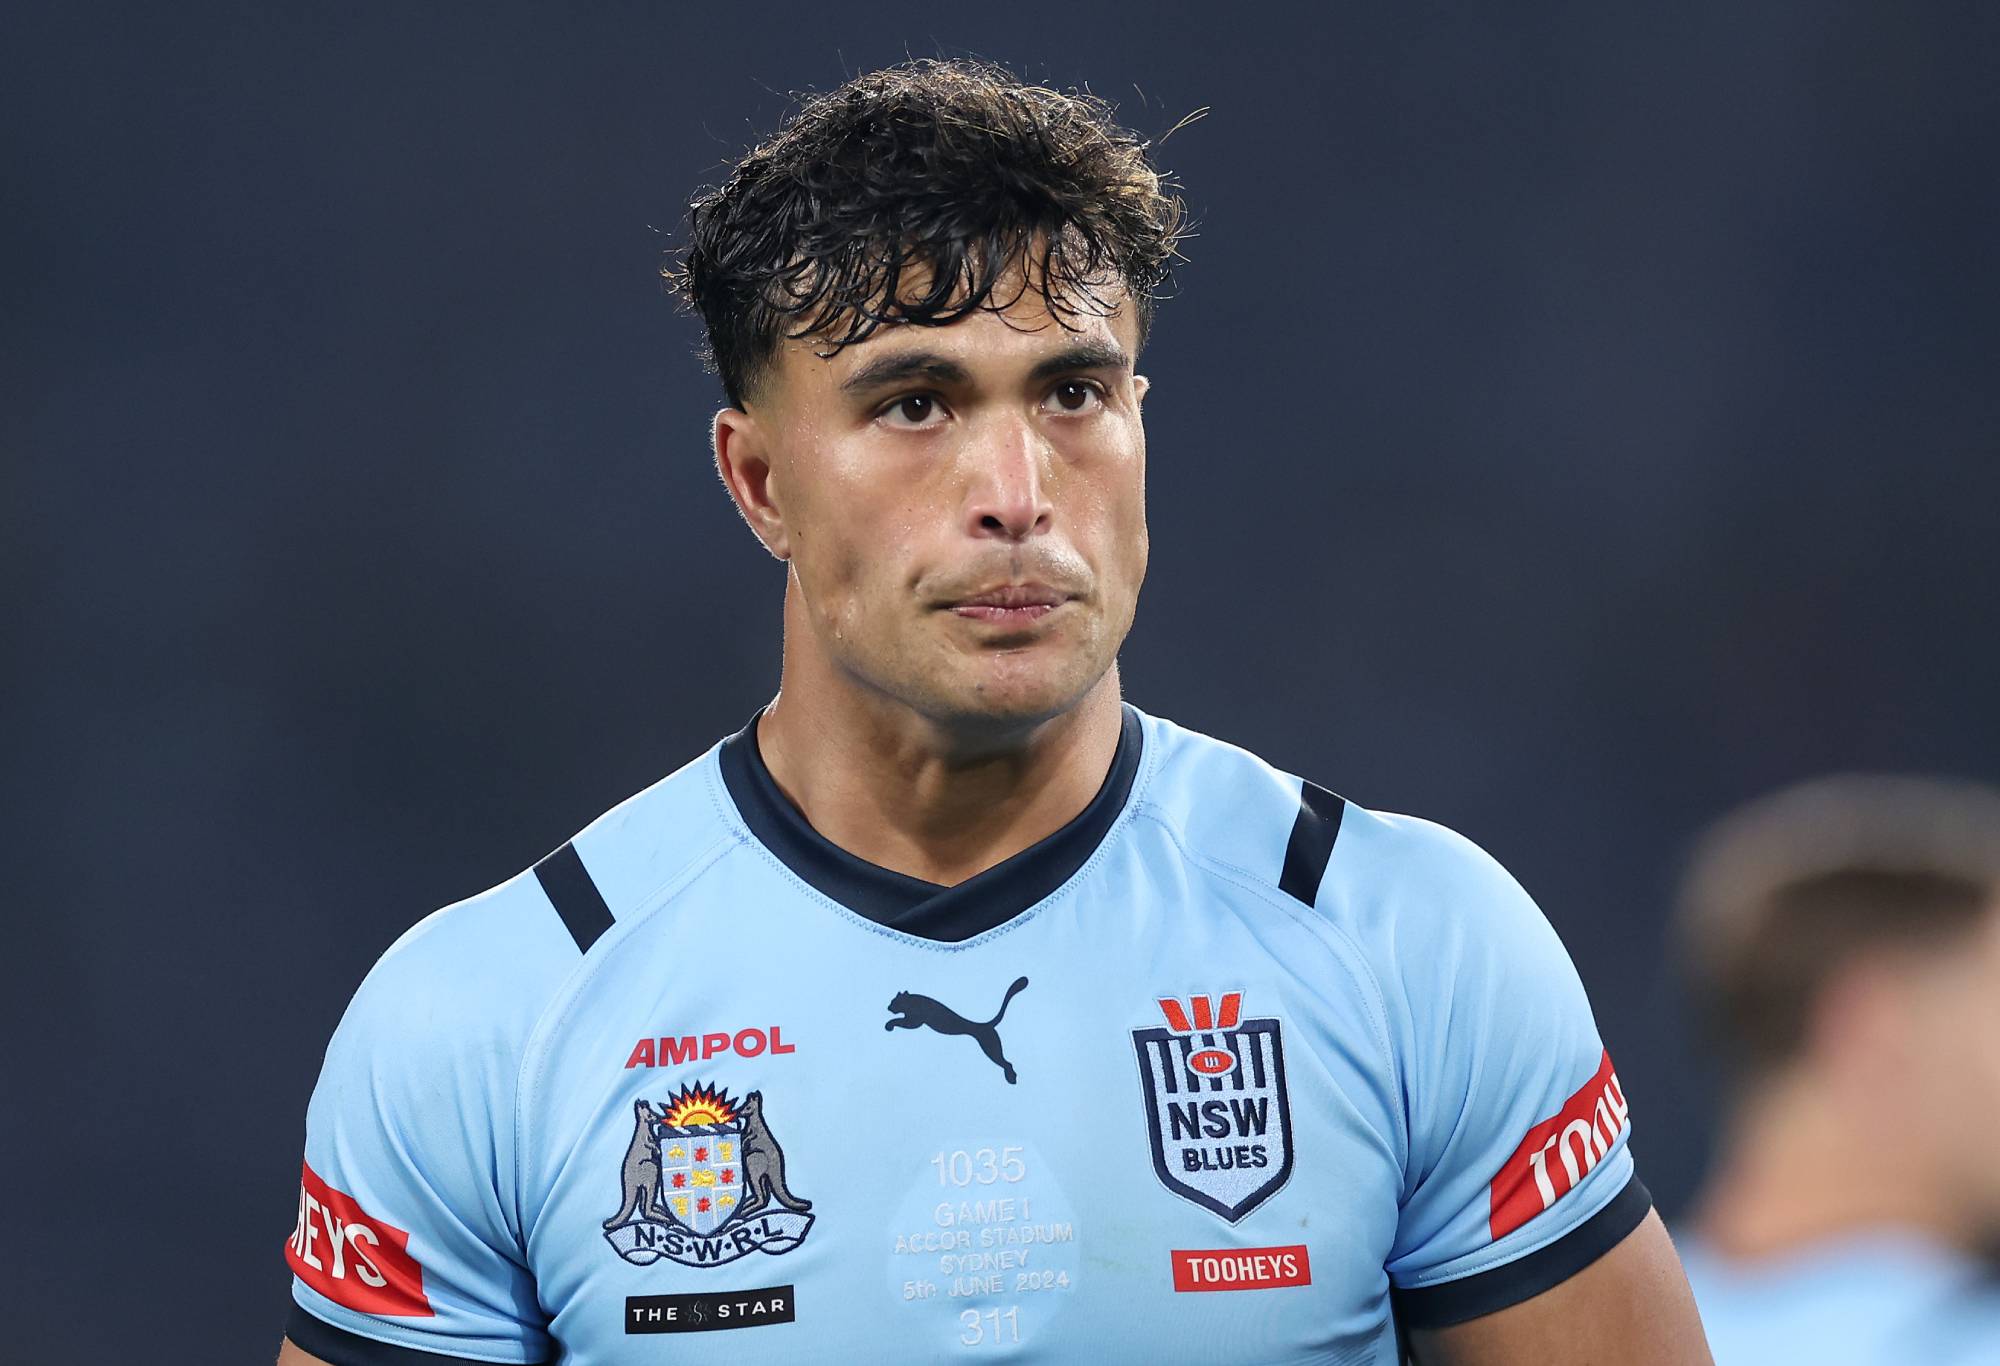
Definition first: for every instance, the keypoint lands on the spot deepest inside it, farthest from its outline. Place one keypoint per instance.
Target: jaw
(1007, 708)
(1020, 676)
(989, 698)
(976, 689)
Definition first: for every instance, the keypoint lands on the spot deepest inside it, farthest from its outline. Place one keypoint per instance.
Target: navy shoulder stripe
(1311, 845)
(575, 897)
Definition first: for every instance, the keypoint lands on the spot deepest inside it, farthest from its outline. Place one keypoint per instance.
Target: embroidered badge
(1216, 1106)
(703, 1183)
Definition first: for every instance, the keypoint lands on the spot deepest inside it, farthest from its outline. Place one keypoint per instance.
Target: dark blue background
(1569, 422)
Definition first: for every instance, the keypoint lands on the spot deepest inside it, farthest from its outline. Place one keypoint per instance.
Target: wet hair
(1784, 895)
(908, 195)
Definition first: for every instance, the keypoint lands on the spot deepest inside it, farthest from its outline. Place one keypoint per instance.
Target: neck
(1799, 1169)
(924, 797)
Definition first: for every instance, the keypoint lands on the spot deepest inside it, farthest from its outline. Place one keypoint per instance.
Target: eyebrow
(906, 365)
(1085, 355)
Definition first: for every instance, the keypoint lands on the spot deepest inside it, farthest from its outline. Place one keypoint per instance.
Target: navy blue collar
(911, 905)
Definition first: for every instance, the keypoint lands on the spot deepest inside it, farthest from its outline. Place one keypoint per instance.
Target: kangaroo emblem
(641, 1175)
(703, 1183)
(908, 1010)
(763, 1162)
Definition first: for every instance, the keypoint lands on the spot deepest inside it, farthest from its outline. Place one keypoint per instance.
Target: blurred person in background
(1843, 938)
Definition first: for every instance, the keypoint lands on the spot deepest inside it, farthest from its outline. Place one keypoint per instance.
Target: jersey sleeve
(407, 1247)
(1518, 1172)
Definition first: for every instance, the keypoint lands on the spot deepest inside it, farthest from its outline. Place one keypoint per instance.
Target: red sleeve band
(1558, 1152)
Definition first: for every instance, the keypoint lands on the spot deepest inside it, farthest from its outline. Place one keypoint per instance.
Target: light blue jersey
(1885, 1299)
(1227, 1069)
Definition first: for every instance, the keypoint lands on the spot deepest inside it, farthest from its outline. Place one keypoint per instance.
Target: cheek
(1125, 518)
(1104, 483)
(1959, 1059)
(852, 538)
(1983, 1041)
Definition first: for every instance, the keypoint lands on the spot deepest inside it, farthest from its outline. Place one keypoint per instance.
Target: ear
(743, 459)
(1140, 384)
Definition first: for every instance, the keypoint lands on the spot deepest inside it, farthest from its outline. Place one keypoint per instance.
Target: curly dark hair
(907, 195)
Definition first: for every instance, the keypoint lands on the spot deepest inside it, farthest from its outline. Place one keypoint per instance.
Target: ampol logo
(669, 1050)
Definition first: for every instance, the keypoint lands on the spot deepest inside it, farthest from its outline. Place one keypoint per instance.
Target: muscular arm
(289, 1355)
(1631, 1307)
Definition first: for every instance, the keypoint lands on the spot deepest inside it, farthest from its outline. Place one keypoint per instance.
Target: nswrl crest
(1216, 1106)
(703, 1183)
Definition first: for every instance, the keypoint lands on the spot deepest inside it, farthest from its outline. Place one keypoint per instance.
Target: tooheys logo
(1558, 1152)
(352, 1257)
(1242, 1268)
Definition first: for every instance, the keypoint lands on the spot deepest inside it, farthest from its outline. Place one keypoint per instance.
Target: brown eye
(1075, 396)
(912, 410)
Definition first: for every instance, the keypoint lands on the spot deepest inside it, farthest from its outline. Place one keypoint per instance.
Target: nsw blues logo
(703, 1183)
(1216, 1106)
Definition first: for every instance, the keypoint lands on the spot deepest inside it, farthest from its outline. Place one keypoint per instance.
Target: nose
(1008, 494)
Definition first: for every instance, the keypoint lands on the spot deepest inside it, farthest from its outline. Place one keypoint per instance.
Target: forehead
(993, 340)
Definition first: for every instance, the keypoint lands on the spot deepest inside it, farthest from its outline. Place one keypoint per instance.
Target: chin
(1010, 696)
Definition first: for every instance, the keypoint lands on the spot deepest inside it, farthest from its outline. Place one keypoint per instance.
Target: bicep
(291, 1355)
(1631, 1306)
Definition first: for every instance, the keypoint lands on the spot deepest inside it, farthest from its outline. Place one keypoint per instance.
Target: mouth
(1019, 604)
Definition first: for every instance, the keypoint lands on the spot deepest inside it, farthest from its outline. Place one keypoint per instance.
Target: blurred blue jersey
(1227, 1069)
(1882, 1300)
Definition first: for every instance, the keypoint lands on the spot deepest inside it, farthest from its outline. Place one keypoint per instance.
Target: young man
(1845, 943)
(955, 1007)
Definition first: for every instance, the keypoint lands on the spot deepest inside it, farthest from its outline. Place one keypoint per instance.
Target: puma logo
(911, 1011)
